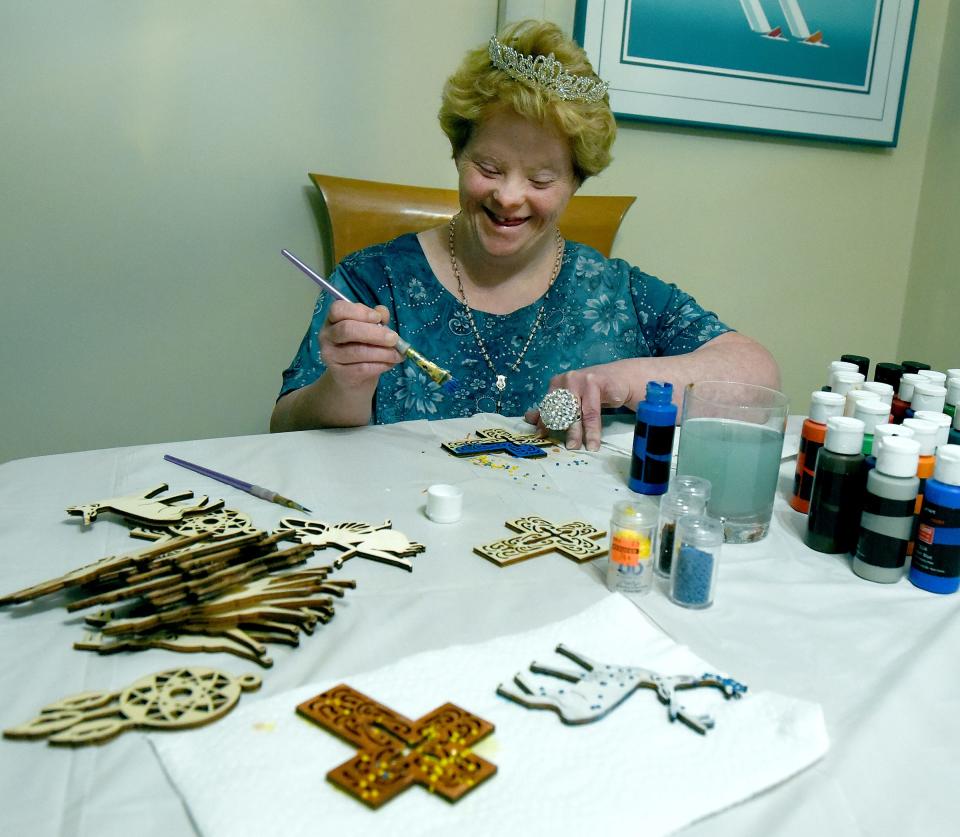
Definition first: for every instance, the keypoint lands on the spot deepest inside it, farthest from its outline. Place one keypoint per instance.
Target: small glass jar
(632, 528)
(696, 557)
(673, 506)
(687, 485)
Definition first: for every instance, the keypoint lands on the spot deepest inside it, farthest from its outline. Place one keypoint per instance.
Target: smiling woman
(497, 296)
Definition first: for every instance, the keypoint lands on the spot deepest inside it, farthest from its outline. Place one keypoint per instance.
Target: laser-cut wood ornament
(395, 752)
(146, 508)
(576, 540)
(218, 523)
(500, 440)
(378, 543)
(602, 687)
(177, 699)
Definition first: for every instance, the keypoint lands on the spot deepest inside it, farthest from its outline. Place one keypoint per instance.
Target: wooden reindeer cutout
(144, 509)
(177, 699)
(395, 753)
(601, 688)
(576, 540)
(378, 543)
(499, 440)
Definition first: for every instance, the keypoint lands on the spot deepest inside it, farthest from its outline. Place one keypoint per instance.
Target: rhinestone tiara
(547, 72)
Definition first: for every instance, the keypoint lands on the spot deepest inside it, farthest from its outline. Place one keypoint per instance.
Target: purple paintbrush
(250, 488)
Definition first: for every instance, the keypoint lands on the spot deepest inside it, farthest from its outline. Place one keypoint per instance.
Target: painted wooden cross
(576, 540)
(395, 752)
(500, 440)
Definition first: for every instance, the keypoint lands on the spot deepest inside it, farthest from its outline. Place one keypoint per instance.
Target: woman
(497, 296)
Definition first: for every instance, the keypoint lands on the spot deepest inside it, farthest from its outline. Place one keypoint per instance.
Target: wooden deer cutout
(144, 509)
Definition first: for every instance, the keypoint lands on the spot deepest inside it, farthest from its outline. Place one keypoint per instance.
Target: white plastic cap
(844, 434)
(953, 391)
(843, 382)
(947, 468)
(928, 396)
(907, 382)
(825, 404)
(933, 375)
(898, 457)
(956, 420)
(925, 432)
(444, 503)
(841, 366)
(885, 391)
(857, 396)
(871, 412)
(882, 432)
(941, 420)
(953, 373)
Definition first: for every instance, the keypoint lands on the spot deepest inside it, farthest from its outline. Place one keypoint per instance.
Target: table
(880, 659)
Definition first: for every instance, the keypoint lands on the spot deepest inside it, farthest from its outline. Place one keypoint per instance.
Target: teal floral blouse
(598, 310)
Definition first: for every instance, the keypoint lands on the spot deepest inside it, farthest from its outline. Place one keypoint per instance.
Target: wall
(154, 160)
(931, 319)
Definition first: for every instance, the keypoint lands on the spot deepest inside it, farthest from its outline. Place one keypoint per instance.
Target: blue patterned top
(598, 310)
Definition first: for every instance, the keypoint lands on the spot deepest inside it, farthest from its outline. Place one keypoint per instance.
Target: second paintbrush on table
(436, 373)
(243, 485)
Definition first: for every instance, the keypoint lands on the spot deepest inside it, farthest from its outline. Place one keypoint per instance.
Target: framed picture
(812, 68)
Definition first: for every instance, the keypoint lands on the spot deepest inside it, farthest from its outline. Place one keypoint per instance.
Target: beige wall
(153, 161)
(931, 319)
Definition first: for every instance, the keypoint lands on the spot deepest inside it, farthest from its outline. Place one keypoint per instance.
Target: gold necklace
(500, 379)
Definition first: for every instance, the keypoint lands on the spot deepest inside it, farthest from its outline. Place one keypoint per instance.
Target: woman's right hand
(355, 346)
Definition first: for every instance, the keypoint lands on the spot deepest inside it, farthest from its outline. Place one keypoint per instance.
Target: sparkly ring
(559, 409)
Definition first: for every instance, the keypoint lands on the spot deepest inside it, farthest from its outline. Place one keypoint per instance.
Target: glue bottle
(936, 557)
(927, 395)
(873, 413)
(881, 433)
(901, 402)
(886, 524)
(888, 373)
(862, 363)
(925, 433)
(653, 440)
(942, 422)
(953, 395)
(833, 522)
(632, 527)
(823, 405)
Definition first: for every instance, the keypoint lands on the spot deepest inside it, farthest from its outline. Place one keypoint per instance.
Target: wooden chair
(365, 212)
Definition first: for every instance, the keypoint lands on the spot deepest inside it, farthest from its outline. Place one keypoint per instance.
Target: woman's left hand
(594, 387)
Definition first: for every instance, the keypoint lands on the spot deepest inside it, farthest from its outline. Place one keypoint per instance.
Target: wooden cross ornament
(395, 752)
(499, 440)
(576, 540)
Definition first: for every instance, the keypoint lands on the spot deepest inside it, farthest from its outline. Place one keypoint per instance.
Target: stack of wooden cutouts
(211, 581)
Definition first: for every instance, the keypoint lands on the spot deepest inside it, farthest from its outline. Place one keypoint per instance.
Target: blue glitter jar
(696, 556)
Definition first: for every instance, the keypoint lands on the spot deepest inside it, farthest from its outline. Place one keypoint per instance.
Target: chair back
(365, 212)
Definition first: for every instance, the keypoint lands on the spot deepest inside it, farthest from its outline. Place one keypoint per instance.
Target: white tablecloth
(879, 659)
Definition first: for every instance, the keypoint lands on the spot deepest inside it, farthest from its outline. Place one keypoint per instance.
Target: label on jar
(629, 548)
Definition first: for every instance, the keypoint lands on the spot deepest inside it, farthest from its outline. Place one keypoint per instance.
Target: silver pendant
(501, 383)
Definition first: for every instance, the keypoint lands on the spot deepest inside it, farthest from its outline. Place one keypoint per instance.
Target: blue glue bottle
(936, 553)
(653, 440)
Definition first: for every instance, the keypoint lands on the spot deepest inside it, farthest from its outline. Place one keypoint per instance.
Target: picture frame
(805, 68)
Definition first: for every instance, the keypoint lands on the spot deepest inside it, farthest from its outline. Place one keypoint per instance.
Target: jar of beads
(696, 556)
(630, 566)
(673, 505)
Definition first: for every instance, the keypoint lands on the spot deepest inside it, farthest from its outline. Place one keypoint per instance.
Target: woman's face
(516, 178)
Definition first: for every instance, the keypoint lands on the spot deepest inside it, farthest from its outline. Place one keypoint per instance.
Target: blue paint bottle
(653, 440)
(936, 553)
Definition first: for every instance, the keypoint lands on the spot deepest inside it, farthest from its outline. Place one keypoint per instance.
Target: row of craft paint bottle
(901, 501)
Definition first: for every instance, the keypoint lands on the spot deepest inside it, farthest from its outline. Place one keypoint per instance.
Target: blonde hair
(478, 88)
